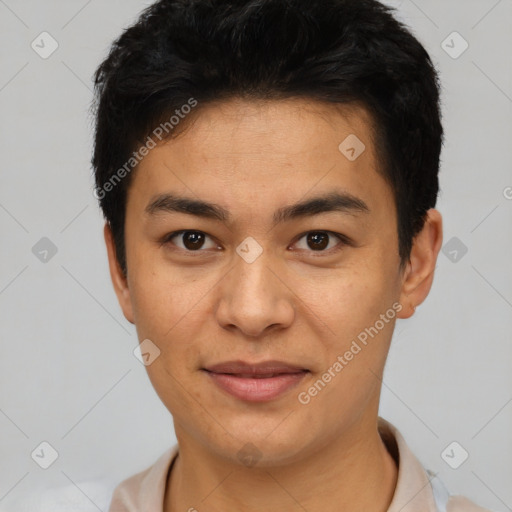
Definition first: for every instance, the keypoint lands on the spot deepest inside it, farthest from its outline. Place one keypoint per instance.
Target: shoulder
(433, 495)
(461, 504)
(132, 494)
(146, 489)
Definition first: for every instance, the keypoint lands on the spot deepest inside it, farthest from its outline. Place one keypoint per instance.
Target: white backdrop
(67, 372)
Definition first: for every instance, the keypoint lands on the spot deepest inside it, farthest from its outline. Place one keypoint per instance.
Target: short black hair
(182, 54)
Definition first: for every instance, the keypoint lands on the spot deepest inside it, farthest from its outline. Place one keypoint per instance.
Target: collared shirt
(417, 490)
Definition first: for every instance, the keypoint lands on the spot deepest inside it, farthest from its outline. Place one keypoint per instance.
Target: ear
(419, 272)
(119, 280)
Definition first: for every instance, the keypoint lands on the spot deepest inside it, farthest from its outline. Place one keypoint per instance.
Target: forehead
(266, 152)
(240, 128)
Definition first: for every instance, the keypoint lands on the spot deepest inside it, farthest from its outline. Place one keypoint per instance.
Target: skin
(293, 304)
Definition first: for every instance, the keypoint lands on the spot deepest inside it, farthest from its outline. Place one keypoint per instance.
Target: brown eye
(317, 241)
(192, 241)
(321, 241)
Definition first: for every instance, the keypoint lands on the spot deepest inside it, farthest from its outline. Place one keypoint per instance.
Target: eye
(191, 240)
(320, 241)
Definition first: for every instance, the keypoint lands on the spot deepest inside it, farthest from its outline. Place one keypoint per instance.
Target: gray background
(67, 372)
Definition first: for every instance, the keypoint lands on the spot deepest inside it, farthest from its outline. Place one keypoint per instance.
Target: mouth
(259, 382)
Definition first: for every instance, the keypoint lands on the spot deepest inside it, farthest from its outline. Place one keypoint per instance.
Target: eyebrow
(333, 202)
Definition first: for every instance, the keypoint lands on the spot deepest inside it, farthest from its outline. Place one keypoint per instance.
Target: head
(268, 171)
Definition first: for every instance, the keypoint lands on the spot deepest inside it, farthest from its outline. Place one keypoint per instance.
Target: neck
(354, 472)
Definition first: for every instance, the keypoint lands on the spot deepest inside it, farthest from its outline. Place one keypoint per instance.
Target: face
(263, 263)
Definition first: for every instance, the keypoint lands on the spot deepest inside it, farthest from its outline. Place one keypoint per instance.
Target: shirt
(417, 490)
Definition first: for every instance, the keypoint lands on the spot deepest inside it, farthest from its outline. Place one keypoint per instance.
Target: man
(268, 172)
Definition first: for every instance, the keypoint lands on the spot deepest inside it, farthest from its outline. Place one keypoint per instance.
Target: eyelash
(343, 241)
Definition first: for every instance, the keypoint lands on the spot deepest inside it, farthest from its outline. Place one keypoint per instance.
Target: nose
(254, 299)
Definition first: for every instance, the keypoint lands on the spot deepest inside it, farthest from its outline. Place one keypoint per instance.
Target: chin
(268, 444)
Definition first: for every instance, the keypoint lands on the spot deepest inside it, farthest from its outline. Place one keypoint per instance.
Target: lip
(256, 382)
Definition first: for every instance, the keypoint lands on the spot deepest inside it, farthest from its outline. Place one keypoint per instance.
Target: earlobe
(418, 275)
(119, 280)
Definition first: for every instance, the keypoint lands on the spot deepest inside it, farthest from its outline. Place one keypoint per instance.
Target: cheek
(355, 348)
(160, 294)
(171, 315)
(346, 299)
(350, 303)
(173, 310)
